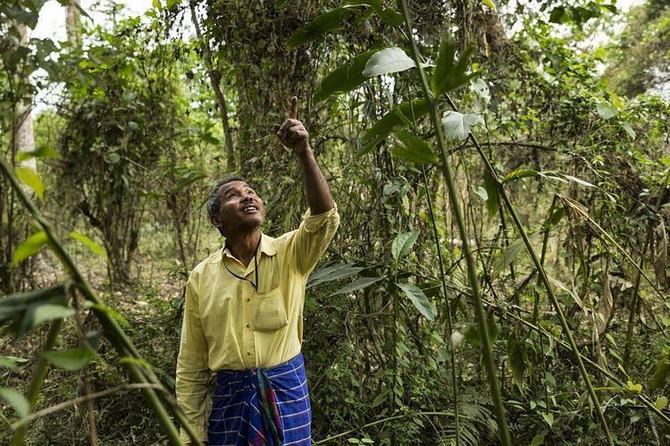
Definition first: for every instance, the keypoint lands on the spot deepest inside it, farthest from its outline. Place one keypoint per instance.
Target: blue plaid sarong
(262, 407)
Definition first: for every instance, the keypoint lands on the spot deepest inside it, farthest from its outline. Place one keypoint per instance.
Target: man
(243, 314)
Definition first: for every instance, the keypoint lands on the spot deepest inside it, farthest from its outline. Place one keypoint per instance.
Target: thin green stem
(489, 362)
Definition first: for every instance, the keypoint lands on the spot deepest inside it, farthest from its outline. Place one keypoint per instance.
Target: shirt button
(249, 353)
(248, 299)
(248, 325)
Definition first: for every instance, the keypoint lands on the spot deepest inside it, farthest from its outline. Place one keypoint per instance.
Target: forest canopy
(502, 171)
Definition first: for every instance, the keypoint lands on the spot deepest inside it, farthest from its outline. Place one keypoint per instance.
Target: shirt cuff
(313, 223)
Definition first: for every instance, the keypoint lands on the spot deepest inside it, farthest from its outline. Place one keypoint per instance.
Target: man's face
(241, 209)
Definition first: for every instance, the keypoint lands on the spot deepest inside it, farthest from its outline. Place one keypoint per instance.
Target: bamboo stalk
(489, 362)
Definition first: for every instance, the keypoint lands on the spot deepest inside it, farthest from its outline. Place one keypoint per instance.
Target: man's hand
(293, 133)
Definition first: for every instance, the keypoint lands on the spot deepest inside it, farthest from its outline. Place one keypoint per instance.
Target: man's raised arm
(294, 135)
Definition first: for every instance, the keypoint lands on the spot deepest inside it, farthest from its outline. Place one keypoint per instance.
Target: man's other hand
(292, 133)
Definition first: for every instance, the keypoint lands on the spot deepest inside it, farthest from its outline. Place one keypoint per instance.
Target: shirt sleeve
(311, 239)
(192, 370)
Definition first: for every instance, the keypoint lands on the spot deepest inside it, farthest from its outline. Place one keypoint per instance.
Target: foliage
(392, 340)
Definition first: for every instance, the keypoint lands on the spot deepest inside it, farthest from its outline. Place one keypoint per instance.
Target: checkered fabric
(262, 407)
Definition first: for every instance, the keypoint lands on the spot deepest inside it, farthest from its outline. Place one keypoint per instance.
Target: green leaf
(403, 243)
(419, 299)
(30, 178)
(553, 219)
(517, 174)
(449, 72)
(72, 359)
(660, 374)
(509, 255)
(634, 388)
(493, 201)
(490, 4)
(413, 149)
(606, 110)
(548, 418)
(17, 303)
(629, 130)
(481, 89)
(387, 61)
(358, 284)
(661, 402)
(481, 193)
(333, 272)
(325, 23)
(41, 152)
(391, 16)
(538, 440)
(457, 126)
(345, 78)
(39, 313)
(15, 399)
(406, 112)
(90, 244)
(29, 247)
(156, 4)
(516, 360)
(9, 362)
(578, 181)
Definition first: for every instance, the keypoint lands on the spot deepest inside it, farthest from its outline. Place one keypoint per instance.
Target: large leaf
(325, 23)
(518, 174)
(29, 247)
(15, 399)
(413, 148)
(333, 272)
(387, 61)
(345, 78)
(508, 256)
(457, 126)
(30, 178)
(450, 73)
(403, 243)
(90, 244)
(17, 303)
(606, 110)
(356, 285)
(73, 359)
(419, 299)
(39, 313)
(403, 113)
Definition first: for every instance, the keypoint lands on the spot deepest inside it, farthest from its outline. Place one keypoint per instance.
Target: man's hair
(214, 202)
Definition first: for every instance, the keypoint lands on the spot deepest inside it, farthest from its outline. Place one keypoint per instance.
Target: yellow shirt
(229, 325)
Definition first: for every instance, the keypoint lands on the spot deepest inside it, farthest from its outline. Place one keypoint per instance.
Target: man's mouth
(249, 209)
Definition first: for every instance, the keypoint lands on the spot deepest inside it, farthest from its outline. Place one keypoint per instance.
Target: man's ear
(215, 221)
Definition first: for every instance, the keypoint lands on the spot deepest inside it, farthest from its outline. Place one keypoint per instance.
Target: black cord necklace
(255, 285)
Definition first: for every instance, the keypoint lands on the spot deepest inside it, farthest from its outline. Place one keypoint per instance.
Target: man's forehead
(235, 184)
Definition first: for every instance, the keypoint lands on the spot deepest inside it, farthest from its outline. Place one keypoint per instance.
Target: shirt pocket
(270, 311)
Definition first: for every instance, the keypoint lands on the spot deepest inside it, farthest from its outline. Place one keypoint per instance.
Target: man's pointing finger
(293, 108)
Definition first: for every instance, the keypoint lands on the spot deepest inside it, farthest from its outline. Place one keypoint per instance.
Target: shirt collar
(267, 247)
